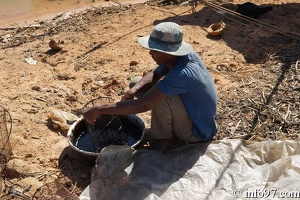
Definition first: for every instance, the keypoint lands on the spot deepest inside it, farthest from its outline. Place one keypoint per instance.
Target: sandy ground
(254, 65)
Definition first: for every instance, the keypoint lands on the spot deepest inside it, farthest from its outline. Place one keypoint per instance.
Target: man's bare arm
(153, 96)
(146, 82)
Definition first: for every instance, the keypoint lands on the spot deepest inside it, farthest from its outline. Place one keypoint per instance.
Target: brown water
(25, 12)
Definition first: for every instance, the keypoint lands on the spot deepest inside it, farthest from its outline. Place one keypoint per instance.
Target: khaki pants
(170, 118)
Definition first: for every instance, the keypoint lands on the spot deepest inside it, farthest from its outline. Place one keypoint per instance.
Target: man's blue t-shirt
(192, 82)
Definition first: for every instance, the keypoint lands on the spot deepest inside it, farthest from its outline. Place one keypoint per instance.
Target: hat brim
(180, 50)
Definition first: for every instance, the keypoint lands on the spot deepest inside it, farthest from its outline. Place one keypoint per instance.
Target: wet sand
(27, 14)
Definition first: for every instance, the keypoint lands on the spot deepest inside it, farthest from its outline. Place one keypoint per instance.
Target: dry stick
(255, 21)
(24, 32)
(251, 101)
(40, 173)
(75, 185)
(296, 65)
(264, 97)
(40, 99)
(117, 2)
(40, 177)
(7, 29)
(288, 112)
(235, 128)
(20, 193)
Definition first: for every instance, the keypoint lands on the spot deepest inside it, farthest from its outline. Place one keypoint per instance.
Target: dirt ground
(254, 65)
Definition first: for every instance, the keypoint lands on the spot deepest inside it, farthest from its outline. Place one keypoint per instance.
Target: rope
(264, 25)
(6, 145)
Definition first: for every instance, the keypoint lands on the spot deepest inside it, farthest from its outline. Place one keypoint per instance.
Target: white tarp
(227, 169)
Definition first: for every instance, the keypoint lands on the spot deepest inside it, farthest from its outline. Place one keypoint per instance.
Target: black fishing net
(109, 130)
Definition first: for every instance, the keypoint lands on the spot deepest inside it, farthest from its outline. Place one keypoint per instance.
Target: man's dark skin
(129, 105)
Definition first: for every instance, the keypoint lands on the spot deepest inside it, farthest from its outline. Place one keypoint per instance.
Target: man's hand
(91, 115)
(128, 95)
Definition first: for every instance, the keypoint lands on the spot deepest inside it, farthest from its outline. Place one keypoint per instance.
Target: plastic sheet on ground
(228, 169)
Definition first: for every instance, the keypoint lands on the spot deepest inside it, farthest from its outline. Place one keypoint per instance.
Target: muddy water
(25, 12)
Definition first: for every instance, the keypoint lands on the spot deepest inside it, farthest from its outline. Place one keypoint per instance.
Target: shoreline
(42, 15)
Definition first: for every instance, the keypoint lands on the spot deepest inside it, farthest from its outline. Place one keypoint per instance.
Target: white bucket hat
(166, 37)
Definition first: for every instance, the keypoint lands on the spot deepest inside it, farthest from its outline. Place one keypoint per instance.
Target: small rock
(29, 155)
(15, 168)
(46, 89)
(5, 38)
(133, 63)
(31, 61)
(72, 98)
(37, 88)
